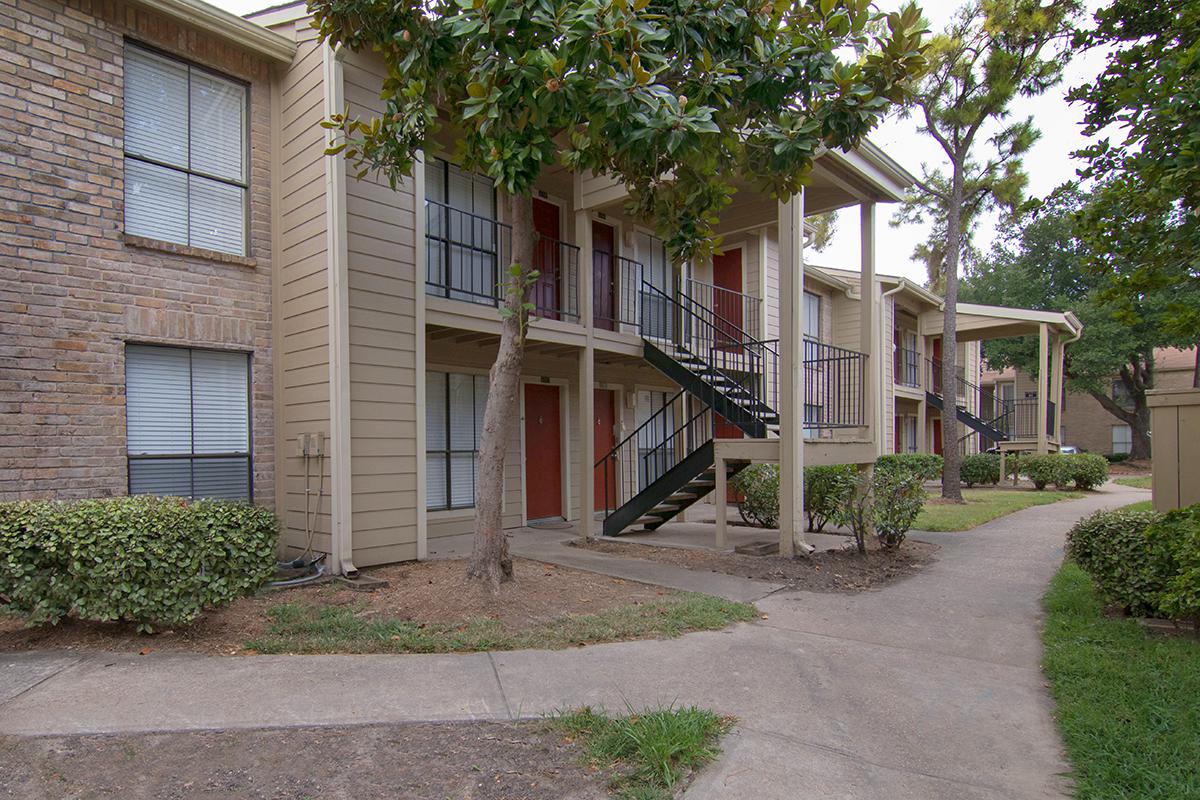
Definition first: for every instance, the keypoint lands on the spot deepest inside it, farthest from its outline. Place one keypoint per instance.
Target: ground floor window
(454, 405)
(187, 416)
(1122, 439)
(814, 415)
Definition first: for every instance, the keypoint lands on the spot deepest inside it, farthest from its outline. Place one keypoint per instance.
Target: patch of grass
(311, 628)
(650, 752)
(1137, 482)
(983, 505)
(1127, 701)
(1140, 505)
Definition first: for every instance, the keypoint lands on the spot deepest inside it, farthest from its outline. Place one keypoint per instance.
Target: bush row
(1147, 563)
(148, 560)
(1085, 471)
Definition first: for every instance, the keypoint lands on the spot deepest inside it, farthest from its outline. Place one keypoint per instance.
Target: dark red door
(935, 380)
(543, 452)
(604, 285)
(605, 439)
(727, 294)
(937, 436)
(547, 259)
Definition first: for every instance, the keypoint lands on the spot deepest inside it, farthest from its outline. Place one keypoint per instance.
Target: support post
(922, 435)
(721, 493)
(1058, 351)
(587, 378)
(1043, 440)
(870, 330)
(791, 377)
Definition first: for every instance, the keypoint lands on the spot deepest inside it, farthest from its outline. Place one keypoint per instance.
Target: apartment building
(200, 303)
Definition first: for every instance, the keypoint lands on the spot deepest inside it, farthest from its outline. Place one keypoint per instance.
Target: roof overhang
(202, 16)
(915, 289)
(977, 322)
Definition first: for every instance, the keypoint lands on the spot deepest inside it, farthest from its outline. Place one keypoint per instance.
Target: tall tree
(676, 99)
(1143, 223)
(992, 52)
(1043, 265)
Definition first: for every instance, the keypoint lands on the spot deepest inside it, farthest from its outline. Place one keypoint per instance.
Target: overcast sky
(1049, 163)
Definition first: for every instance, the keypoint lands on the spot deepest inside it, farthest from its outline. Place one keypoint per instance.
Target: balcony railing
(833, 387)
(467, 258)
(907, 367)
(616, 282)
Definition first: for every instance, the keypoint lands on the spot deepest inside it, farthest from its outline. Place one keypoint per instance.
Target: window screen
(185, 153)
(188, 422)
(454, 406)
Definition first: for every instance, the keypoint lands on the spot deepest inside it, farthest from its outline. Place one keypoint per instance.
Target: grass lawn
(1128, 703)
(1137, 482)
(301, 627)
(650, 753)
(1140, 505)
(983, 505)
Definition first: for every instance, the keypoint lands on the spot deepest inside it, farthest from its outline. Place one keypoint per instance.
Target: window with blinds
(185, 153)
(454, 405)
(464, 243)
(812, 316)
(188, 422)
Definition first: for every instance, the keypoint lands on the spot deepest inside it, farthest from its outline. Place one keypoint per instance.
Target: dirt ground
(824, 571)
(427, 591)
(1124, 469)
(427, 761)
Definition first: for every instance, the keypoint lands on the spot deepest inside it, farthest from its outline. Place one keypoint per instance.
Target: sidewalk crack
(500, 685)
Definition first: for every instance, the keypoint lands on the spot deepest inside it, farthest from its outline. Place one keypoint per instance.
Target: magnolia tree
(676, 100)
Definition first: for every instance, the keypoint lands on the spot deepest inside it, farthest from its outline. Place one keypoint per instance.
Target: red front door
(727, 296)
(604, 286)
(935, 379)
(547, 258)
(543, 452)
(604, 438)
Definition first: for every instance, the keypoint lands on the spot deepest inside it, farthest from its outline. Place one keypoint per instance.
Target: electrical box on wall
(310, 444)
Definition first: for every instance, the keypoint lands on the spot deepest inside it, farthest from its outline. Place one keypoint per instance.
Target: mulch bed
(426, 591)
(482, 761)
(823, 571)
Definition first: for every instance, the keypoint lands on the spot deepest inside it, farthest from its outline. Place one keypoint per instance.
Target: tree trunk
(490, 561)
(951, 483)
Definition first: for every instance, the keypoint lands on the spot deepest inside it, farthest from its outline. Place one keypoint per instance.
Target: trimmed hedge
(1112, 547)
(148, 560)
(927, 465)
(758, 485)
(1087, 470)
(899, 496)
(1175, 540)
(980, 468)
(824, 492)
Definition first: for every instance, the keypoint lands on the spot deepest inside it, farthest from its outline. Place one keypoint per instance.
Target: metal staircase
(665, 465)
(998, 420)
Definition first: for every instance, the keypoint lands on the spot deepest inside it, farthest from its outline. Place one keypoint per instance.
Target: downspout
(337, 272)
(886, 390)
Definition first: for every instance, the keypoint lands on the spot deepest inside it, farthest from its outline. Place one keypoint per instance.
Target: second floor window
(812, 315)
(465, 246)
(185, 153)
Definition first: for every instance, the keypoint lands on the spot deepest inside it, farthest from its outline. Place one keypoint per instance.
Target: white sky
(1049, 163)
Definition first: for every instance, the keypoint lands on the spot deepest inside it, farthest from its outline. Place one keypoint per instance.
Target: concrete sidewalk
(930, 688)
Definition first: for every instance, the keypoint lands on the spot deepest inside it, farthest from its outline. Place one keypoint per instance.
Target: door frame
(564, 445)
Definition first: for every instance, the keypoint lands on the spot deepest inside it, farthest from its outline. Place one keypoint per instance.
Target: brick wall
(73, 289)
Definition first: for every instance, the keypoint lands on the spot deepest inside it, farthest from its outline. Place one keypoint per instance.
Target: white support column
(869, 336)
(719, 496)
(1043, 391)
(1057, 352)
(587, 378)
(791, 377)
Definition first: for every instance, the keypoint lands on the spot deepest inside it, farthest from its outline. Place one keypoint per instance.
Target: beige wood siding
(303, 323)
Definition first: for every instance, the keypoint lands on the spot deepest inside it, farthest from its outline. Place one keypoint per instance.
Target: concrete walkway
(926, 689)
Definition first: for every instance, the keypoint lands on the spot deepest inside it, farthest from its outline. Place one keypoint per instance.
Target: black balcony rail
(657, 446)
(467, 254)
(833, 387)
(734, 313)
(555, 293)
(616, 282)
(906, 367)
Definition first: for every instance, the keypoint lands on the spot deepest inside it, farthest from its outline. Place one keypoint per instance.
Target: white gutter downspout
(886, 390)
(337, 272)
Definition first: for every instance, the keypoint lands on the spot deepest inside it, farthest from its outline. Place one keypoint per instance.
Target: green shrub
(980, 468)
(899, 498)
(758, 485)
(1175, 540)
(1048, 469)
(824, 492)
(927, 465)
(1087, 470)
(148, 560)
(1113, 547)
(1116, 458)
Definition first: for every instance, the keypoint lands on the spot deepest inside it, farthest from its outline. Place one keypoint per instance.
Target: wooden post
(1043, 392)
(587, 377)
(870, 330)
(720, 494)
(791, 377)
(1057, 352)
